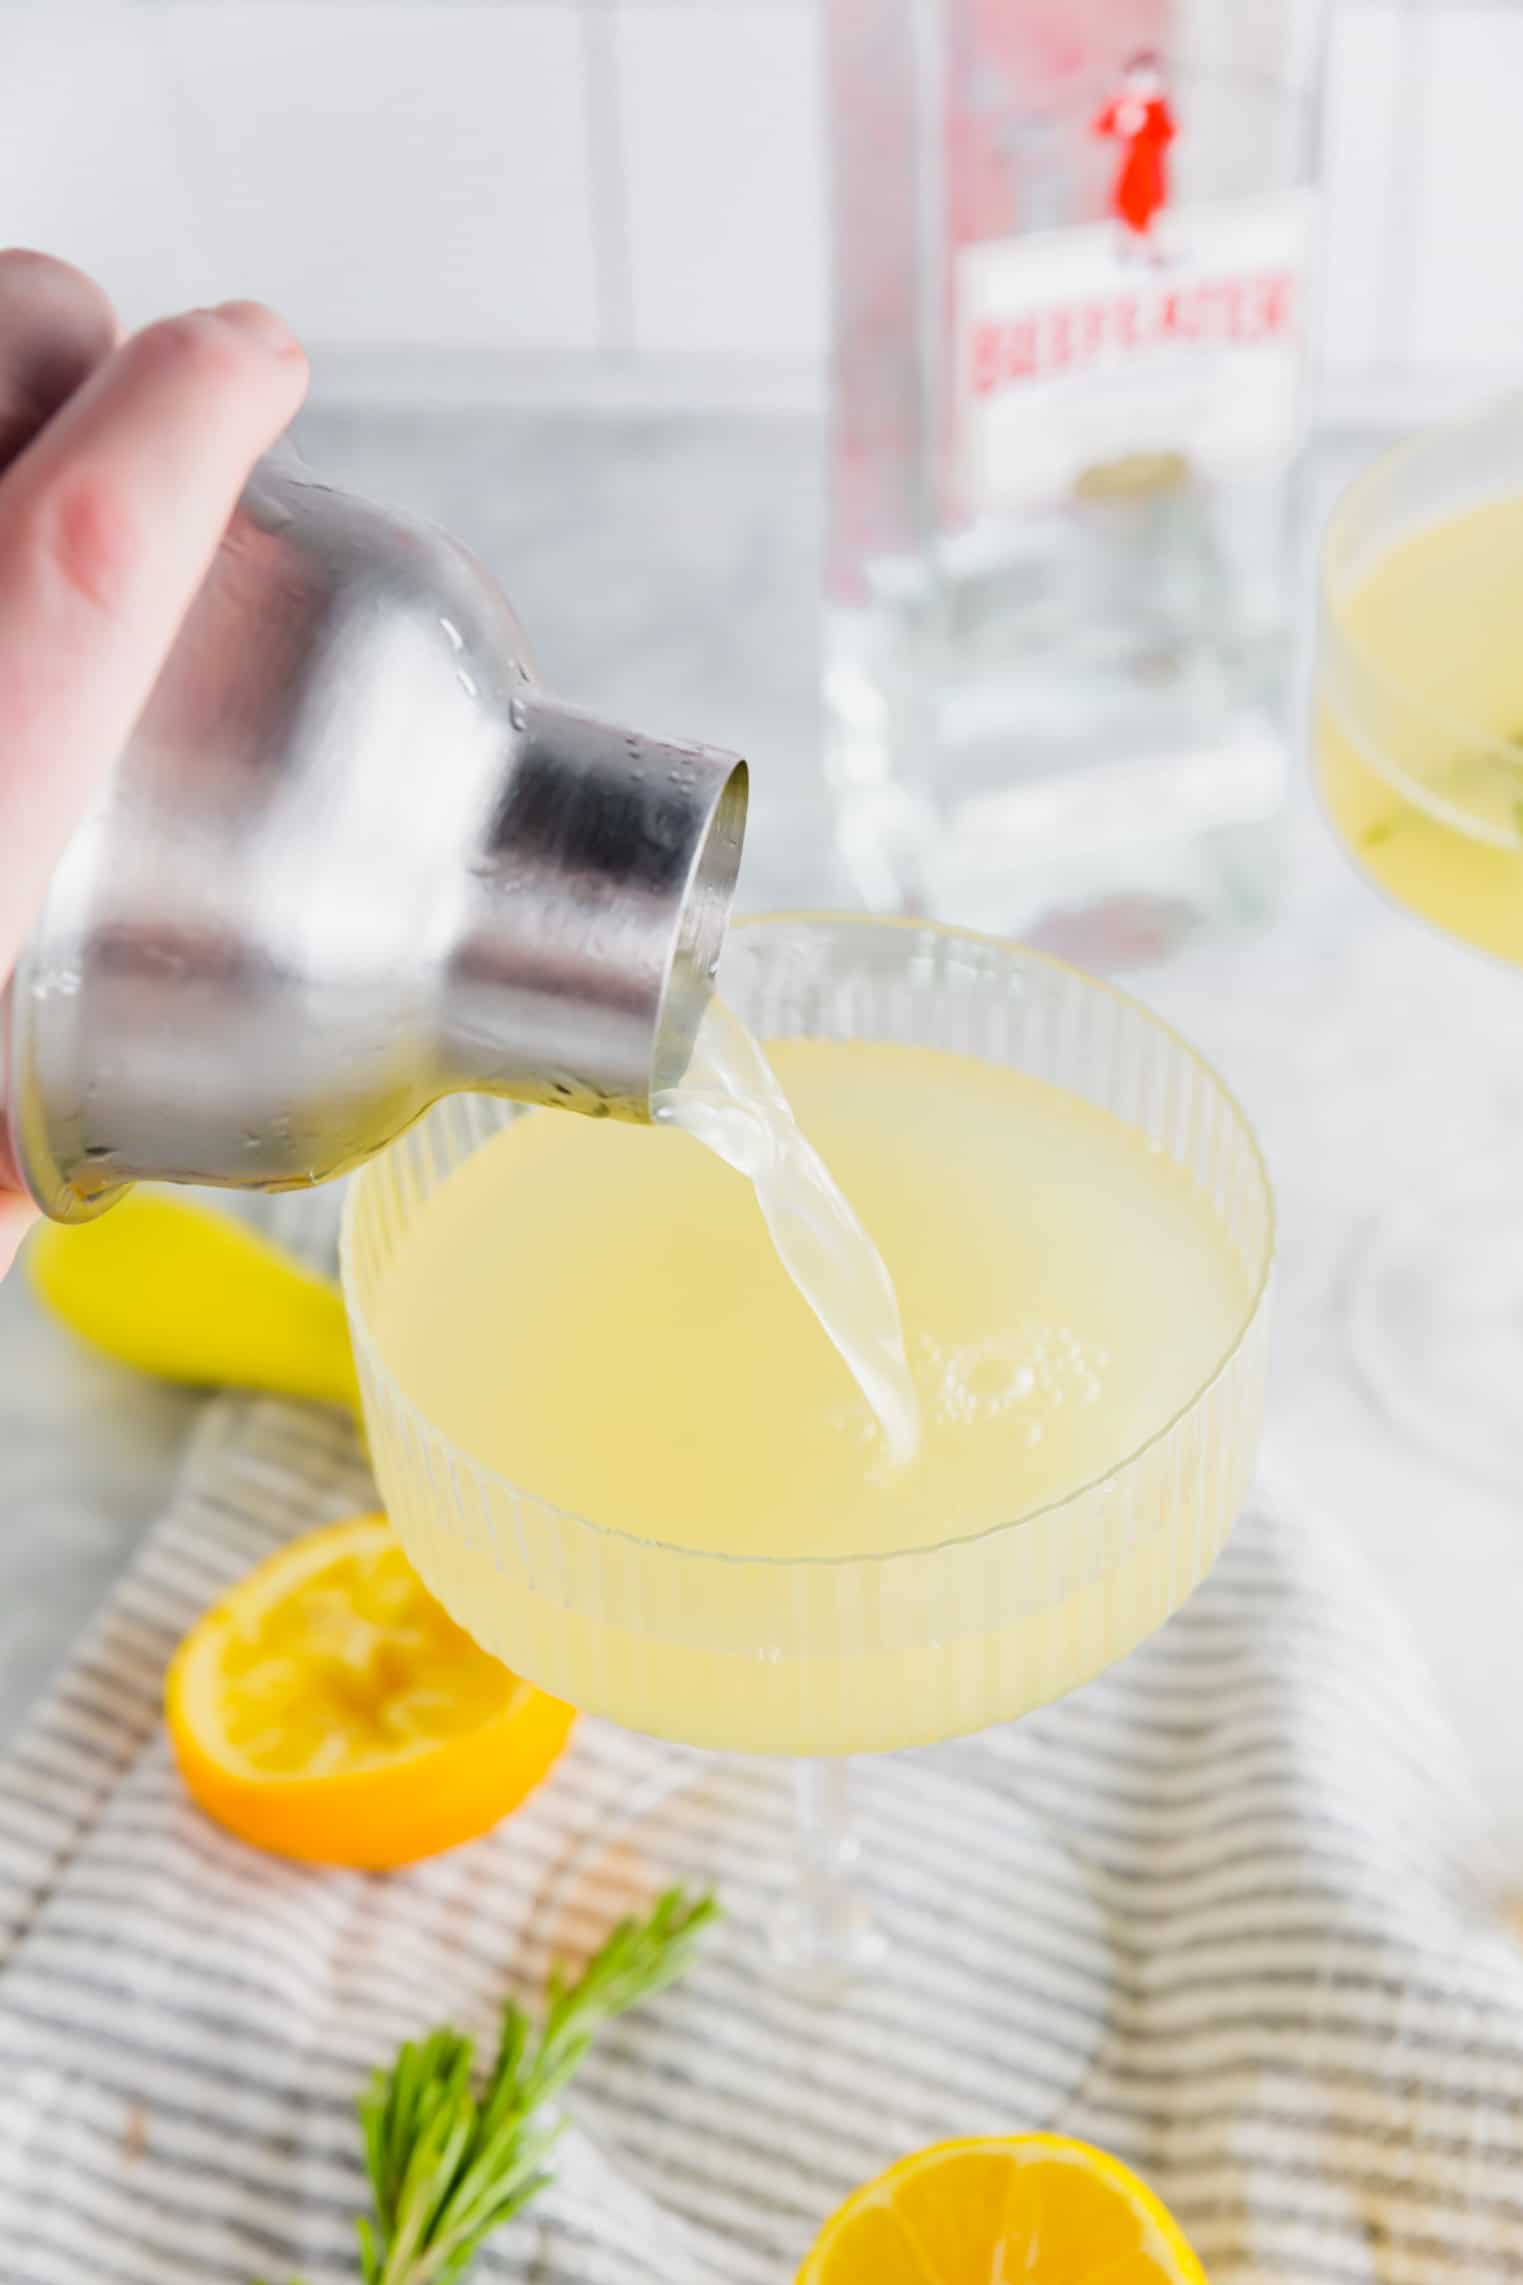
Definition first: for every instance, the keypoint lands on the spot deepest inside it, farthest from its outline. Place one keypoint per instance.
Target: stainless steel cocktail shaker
(354, 859)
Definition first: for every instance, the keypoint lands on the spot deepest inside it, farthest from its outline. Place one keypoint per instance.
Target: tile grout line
(1411, 110)
(611, 252)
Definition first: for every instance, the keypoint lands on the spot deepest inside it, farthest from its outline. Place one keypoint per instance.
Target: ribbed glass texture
(1383, 705)
(844, 1655)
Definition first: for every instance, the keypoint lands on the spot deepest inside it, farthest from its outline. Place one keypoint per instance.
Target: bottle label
(1081, 350)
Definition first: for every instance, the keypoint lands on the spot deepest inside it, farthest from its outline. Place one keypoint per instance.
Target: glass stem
(825, 1935)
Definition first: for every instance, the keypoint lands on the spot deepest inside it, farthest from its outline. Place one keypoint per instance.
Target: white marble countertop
(667, 572)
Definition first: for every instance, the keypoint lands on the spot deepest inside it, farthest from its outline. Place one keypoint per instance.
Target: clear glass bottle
(1071, 242)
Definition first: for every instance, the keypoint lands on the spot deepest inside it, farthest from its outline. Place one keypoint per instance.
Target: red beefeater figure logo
(1139, 119)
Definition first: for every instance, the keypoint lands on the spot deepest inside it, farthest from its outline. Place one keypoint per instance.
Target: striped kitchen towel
(1224, 1911)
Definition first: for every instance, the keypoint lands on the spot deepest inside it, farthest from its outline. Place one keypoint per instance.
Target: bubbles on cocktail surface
(980, 1380)
(1021, 1376)
(1029, 1369)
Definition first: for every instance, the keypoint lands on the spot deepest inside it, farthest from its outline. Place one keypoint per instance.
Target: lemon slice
(329, 1709)
(1024, 2209)
(173, 1289)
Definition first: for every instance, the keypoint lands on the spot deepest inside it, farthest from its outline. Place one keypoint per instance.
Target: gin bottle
(1070, 310)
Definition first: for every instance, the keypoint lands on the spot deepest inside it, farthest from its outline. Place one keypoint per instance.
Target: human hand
(120, 465)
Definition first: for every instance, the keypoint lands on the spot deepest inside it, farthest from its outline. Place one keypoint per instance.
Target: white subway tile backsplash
(1462, 204)
(719, 116)
(1367, 84)
(393, 174)
(634, 191)
(88, 163)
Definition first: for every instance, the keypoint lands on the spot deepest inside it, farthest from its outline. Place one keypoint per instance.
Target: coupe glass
(861, 1945)
(1429, 804)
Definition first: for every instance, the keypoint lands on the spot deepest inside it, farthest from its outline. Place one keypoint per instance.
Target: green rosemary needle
(448, 2165)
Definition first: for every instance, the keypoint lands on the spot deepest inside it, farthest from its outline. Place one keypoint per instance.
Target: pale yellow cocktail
(1419, 748)
(1420, 722)
(625, 1453)
(618, 1446)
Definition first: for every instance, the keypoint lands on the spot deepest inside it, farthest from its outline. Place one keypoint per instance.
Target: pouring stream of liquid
(730, 1101)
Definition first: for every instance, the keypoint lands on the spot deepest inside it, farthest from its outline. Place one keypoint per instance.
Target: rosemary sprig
(447, 2166)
